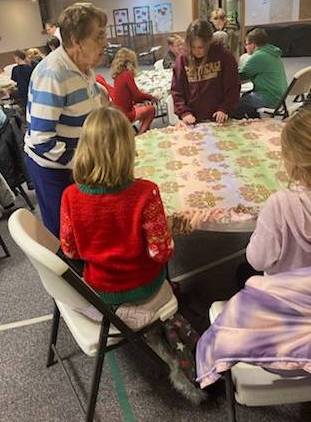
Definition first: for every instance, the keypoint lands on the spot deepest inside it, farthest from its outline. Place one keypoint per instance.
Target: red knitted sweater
(126, 94)
(122, 236)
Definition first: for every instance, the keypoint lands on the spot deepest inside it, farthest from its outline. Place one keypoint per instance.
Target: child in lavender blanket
(282, 238)
(259, 316)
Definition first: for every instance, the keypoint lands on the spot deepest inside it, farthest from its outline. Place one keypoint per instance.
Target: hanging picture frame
(163, 17)
(141, 18)
(121, 20)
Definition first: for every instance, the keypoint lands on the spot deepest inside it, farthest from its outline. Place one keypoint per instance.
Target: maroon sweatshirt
(214, 86)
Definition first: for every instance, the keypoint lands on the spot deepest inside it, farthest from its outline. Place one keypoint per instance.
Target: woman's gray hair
(76, 20)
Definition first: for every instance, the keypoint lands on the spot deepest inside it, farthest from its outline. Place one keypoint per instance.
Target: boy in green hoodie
(265, 69)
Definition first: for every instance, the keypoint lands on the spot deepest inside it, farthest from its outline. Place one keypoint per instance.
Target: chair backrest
(63, 284)
(301, 83)
(159, 65)
(40, 246)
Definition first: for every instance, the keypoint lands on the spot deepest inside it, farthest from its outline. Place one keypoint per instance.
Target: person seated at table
(125, 255)
(268, 317)
(34, 56)
(264, 69)
(21, 74)
(175, 47)
(282, 238)
(127, 95)
(225, 30)
(245, 56)
(109, 89)
(205, 81)
(219, 22)
(53, 43)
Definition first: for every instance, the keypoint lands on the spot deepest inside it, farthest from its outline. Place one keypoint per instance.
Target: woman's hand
(220, 117)
(189, 119)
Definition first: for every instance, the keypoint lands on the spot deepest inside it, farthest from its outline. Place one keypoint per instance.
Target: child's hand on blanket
(220, 117)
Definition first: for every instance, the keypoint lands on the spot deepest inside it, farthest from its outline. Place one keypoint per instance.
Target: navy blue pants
(49, 185)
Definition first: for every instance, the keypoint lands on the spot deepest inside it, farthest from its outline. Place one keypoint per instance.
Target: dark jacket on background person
(21, 75)
(213, 86)
(12, 165)
(169, 60)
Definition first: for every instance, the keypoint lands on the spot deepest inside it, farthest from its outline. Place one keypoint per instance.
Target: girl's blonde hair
(106, 150)
(219, 14)
(296, 146)
(33, 53)
(125, 59)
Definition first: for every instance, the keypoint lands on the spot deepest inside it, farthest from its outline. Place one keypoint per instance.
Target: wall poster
(163, 17)
(121, 19)
(141, 19)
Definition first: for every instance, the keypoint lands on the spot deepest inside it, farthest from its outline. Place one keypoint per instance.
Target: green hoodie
(265, 69)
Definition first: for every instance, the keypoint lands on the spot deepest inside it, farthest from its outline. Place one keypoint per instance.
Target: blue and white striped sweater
(60, 98)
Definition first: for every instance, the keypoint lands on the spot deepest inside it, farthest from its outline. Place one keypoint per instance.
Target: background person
(53, 43)
(264, 69)
(21, 74)
(126, 95)
(53, 30)
(175, 47)
(55, 112)
(34, 57)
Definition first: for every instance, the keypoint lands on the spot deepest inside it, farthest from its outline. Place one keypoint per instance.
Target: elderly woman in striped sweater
(62, 92)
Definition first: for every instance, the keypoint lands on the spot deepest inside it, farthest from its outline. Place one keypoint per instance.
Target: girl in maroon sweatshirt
(205, 81)
(126, 93)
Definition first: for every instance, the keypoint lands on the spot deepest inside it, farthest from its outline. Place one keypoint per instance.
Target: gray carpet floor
(131, 389)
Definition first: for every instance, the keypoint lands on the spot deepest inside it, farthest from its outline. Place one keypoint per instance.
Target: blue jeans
(252, 99)
(247, 107)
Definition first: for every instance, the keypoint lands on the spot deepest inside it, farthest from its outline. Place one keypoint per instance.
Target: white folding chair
(299, 88)
(252, 385)
(70, 292)
(172, 117)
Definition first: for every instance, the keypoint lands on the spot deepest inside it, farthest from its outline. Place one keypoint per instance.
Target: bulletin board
(260, 12)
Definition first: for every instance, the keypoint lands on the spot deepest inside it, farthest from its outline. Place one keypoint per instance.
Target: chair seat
(258, 387)
(86, 332)
(290, 108)
(255, 386)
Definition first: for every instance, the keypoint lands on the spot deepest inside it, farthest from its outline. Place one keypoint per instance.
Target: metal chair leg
(98, 370)
(230, 397)
(4, 247)
(53, 336)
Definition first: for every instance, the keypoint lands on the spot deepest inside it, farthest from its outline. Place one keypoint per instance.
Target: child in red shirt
(126, 93)
(115, 223)
(109, 89)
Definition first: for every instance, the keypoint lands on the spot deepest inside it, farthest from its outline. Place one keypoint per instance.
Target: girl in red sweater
(126, 93)
(112, 221)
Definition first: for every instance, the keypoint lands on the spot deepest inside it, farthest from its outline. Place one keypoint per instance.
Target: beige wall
(20, 25)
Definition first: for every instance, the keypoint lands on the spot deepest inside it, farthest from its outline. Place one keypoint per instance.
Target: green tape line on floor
(128, 415)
